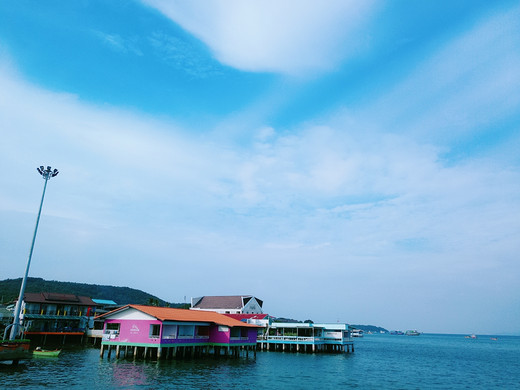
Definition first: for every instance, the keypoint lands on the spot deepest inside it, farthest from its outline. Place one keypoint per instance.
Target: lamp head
(47, 173)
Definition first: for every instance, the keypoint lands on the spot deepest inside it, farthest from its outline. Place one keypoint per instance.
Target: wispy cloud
(469, 84)
(119, 44)
(181, 55)
(271, 36)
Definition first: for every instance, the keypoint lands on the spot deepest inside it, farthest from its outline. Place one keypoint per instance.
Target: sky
(343, 161)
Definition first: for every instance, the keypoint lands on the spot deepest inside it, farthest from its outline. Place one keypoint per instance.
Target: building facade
(52, 315)
(306, 337)
(150, 331)
(229, 304)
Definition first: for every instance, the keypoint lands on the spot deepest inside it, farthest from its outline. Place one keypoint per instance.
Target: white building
(231, 304)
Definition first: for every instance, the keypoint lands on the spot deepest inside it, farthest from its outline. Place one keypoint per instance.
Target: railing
(53, 329)
(60, 313)
(110, 334)
(290, 338)
(95, 332)
(304, 339)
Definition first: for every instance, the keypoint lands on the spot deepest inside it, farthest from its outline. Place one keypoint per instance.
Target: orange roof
(171, 314)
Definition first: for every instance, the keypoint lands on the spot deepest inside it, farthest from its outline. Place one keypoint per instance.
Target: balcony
(97, 333)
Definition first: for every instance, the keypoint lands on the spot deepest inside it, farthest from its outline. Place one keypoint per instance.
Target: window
(155, 330)
(186, 331)
(113, 326)
(203, 331)
(32, 308)
(235, 332)
(169, 332)
(111, 331)
(51, 310)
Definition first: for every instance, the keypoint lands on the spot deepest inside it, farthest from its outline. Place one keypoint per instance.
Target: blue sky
(343, 161)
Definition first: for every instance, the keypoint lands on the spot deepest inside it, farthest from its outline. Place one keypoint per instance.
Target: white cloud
(343, 199)
(274, 36)
(465, 87)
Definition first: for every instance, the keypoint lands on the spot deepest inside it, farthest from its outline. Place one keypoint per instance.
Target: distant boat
(412, 333)
(356, 333)
(397, 332)
(46, 353)
(494, 338)
(472, 336)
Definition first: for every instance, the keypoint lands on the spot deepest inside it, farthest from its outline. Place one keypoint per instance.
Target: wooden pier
(175, 352)
(305, 347)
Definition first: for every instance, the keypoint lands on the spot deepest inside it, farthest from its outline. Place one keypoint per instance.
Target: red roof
(185, 315)
(241, 317)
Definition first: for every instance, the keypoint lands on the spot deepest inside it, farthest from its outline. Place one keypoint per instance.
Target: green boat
(46, 352)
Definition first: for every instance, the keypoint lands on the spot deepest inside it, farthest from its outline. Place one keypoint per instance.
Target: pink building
(145, 331)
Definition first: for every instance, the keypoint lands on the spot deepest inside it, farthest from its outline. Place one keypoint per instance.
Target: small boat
(494, 338)
(412, 333)
(46, 352)
(473, 336)
(14, 350)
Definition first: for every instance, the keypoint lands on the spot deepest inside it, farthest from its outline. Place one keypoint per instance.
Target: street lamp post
(46, 173)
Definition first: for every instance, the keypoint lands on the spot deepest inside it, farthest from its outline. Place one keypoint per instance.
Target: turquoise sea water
(379, 362)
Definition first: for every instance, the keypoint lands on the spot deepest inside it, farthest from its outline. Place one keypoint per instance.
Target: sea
(428, 361)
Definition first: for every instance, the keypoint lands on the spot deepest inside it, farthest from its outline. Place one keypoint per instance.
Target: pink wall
(219, 337)
(135, 331)
(138, 331)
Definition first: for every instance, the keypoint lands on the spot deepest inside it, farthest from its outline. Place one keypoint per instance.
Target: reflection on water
(128, 375)
(390, 362)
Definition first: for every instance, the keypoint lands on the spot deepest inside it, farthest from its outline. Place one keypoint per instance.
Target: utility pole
(46, 173)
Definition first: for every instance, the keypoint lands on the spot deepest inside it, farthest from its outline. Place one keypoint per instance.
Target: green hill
(10, 288)
(370, 328)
